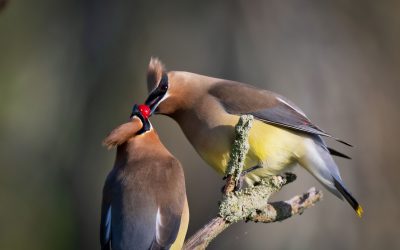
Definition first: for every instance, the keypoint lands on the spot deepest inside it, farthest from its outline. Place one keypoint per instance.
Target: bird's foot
(239, 184)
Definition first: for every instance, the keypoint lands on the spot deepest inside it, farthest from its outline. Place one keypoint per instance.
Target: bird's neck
(139, 147)
(206, 122)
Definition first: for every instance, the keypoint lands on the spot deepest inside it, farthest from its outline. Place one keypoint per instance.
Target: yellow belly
(274, 148)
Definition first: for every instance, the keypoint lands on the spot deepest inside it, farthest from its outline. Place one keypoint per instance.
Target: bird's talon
(244, 172)
(239, 183)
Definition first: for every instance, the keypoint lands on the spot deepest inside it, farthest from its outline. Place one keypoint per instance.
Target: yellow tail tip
(359, 211)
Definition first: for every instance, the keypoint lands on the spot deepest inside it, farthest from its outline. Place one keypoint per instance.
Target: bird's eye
(163, 86)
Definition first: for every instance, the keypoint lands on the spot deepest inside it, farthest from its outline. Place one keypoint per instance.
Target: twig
(281, 210)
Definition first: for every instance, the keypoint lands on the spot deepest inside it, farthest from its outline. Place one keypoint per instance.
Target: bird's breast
(272, 147)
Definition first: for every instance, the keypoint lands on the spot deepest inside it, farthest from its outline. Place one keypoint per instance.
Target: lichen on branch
(249, 204)
(239, 205)
(240, 146)
(239, 150)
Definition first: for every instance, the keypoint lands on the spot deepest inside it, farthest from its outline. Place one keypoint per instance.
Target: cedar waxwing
(207, 110)
(144, 198)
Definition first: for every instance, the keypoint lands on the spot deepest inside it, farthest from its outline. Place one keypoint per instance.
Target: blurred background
(70, 71)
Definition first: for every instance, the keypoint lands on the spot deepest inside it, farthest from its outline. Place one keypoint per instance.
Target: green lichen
(240, 147)
(240, 205)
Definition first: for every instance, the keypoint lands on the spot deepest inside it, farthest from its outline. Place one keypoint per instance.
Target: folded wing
(266, 106)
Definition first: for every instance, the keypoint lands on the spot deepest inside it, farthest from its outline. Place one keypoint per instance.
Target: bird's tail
(349, 198)
(321, 165)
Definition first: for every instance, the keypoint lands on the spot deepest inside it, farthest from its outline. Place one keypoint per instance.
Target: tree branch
(238, 153)
(250, 204)
(276, 211)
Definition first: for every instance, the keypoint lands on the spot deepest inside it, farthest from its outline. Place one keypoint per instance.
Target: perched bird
(144, 202)
(207, 110)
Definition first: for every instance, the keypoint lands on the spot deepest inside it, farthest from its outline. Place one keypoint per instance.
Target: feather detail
(337, 153)
(122, 133)
(154, 72)
(349, 198)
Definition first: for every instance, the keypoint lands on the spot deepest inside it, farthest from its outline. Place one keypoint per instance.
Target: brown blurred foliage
(3, 4)
(71, 70)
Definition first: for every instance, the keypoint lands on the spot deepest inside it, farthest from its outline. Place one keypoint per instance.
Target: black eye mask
(158, 93)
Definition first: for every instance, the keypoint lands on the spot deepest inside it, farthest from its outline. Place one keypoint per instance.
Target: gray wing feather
(238, 98)
(105, 223)
(167, 228)
(170, 204)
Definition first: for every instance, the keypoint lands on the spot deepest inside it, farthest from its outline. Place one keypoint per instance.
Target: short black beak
(154, 99)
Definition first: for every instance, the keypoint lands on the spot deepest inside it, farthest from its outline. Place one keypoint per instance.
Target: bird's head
(139, 123)
(163, 93)
(173, 91)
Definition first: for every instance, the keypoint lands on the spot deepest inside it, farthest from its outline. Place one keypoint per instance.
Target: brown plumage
(207, 109)
(122, 133)
(144, 199)
(155, 70)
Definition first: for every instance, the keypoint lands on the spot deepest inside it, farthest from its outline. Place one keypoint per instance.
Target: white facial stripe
(151, 125)
(158, 103)
(165, 96)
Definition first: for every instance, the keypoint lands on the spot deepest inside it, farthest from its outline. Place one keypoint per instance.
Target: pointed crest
(154, 72)
(122, 133)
